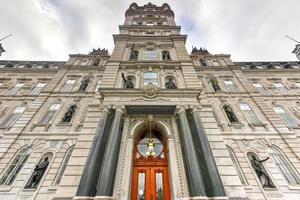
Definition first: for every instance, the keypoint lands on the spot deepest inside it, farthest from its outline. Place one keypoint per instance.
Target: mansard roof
(270, 65)
(30, 64)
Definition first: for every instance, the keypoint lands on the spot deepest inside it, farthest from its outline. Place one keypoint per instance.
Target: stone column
(216, 187)
(193, 171)
(108, 170)
(88, 181)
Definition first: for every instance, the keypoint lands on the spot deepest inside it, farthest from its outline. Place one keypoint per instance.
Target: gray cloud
(52, 29)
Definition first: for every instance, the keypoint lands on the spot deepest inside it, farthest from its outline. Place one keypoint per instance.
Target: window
(249, 114)
(69, 85)
(64, 165)
(230, 114)
(203, 62)
(12, 117)
(49, 115)
(69, 114)
(150, 55)
(150, 77)
(260, 88)
(284, 166)
(281, 88)
(285, 117)
(15, 167)
(236, 165)
(38, 88)
(231, 87)
(15, 89)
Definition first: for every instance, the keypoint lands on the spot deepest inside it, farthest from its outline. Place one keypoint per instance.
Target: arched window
(134, 55)
(230, 114)
(237, 165)
(284, 166)
(68, 116)
(170, 83)
(64, 165)
(249, 114)
(260, 171)
(15, 166)
(165, 55)
(39, 171)
(84, 83)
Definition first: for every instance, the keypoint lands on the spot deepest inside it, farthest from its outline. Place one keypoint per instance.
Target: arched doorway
(150, 179)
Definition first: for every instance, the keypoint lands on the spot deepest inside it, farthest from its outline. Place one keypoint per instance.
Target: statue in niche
(215, 85)
(84, 85)
(230, 114)
(127, 82)
(96, 62)
(38, 173)
(261, 172)
(134, 54)
(69, 114)
(170, 84)
(166, 55)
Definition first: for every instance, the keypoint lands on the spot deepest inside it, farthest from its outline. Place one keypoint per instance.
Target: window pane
(141, 186)
(286, 118)
(159, 186)
(150, 55)
(64, 165)
(150, 77)
(19, 110)
(54, 106)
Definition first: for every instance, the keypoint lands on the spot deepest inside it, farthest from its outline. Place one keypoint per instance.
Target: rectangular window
(150, 77)
(38, 88)
(15, 89)
(150, 55)
(49, 115)
(285, 117)
(249, 114)
(69, 85)
(12, 117)
(231, 87)
(281, 88)
(260, 88)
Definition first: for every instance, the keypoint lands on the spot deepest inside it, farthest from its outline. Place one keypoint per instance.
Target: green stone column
(110, 162)
(89, 178)
(216, 186)
(193, 171)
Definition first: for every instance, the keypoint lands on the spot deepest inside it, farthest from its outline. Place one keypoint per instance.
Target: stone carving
(84, 85)
(170, 84)
(200, 50)
(127, 82)
(230, 114)
(134, 54)
(215, 85)
(150, 90)
(69, 114)
(38, 173)
(261, 172)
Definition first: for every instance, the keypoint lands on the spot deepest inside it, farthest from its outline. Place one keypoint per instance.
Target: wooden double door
(150, 182)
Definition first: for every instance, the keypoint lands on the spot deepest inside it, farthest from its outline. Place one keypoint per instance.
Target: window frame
(249, 114)
(150, 72)
(293, 122)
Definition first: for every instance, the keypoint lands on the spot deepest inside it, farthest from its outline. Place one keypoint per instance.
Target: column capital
(181, 108)
(104, 108)
(195, 108)
(119, 108)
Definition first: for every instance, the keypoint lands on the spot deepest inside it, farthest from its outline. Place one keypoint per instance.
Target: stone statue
(84, 85)
(215, 85)
(69, 114)
(231, 116)
(170, 84)
(260, 171)
(134, 55)
(127, 82)
(38, 173)
(166, 55)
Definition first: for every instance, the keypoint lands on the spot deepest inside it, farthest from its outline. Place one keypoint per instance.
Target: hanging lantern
(150, 144)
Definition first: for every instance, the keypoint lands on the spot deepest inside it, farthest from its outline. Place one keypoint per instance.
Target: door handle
(151, 197)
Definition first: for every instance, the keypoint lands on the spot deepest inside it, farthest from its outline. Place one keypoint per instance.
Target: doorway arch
(150, 176)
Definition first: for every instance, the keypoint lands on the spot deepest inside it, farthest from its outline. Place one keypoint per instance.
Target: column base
(206, 198)
(83, 198)
(104, 198)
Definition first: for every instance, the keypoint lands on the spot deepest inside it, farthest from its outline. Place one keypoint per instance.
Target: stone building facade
(149, 121)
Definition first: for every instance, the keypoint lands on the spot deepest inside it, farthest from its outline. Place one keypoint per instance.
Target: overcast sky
(249, 30)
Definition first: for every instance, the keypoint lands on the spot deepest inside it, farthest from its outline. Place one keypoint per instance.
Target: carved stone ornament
(150, 90)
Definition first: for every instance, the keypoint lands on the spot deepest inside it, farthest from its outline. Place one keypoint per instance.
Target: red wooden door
(150, 183)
